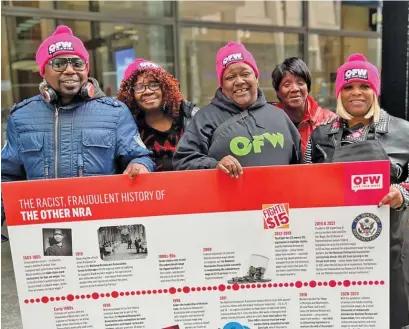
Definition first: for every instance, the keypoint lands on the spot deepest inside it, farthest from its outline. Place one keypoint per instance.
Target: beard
(70, 91)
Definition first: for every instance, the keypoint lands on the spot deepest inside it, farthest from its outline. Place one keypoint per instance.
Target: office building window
(327, 53)
(6, 86)
(118, 44)
(281, 13)
(345, 15)
(198, 58)
(137, 8)
(324, 15)
(361, 16)
(30, 4)
(24, 35)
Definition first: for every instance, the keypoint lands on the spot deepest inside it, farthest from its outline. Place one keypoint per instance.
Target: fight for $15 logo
(276, 216)
(366, 227)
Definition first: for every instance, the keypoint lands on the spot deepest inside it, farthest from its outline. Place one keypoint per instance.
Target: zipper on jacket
(56, 142)
(322, 151)
(46, 169)
(80, 165)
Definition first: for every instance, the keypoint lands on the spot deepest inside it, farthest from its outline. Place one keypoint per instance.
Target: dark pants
(399, 314)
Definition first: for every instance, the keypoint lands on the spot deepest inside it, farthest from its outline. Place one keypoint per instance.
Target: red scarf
(314, 116)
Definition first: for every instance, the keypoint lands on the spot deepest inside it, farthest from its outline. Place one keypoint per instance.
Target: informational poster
(281, 247)
(123, 58)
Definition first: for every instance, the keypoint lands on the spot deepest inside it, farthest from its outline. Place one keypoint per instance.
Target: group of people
(108, 248)
(72, 129)
(140, 245)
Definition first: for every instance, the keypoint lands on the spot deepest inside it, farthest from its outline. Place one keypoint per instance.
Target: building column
(395, 58)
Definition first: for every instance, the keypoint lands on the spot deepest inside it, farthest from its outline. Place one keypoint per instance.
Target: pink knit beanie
(61, 42)
(139, 64)
(233, 52)
(357, 69)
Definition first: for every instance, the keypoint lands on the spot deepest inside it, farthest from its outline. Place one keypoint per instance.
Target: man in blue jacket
(71, 129)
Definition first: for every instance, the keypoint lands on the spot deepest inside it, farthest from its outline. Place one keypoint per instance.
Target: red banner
(105, 197)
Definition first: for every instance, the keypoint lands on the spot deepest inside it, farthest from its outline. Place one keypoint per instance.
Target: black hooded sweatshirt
(262, 135)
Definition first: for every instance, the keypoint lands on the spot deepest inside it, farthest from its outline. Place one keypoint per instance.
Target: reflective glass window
(282, 13)
(118, 44)
(327, 53)
(198, 58)
(138, 8)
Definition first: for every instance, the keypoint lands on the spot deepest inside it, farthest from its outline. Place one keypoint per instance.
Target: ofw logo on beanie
(356, 74)
(232, 57)
(58, 46)
(145, 65)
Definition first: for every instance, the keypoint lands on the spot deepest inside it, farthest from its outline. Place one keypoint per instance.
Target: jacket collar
(382, 126)
(98, 93)
(311, 112)
(221, 101)
(189, 109)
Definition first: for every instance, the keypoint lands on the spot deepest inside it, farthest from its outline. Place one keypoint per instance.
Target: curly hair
(172, 97)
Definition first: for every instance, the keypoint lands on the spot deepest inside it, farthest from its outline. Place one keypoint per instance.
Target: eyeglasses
(60, 64)
(140, 88)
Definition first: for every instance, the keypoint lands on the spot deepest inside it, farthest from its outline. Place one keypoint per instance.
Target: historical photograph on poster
(57, 242)
(122, 242)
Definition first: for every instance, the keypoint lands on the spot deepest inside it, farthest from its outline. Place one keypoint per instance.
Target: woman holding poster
(158, 107)
(238, 128)
(365, 132)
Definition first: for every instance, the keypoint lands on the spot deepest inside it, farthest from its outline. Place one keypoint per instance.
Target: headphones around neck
(51, 96)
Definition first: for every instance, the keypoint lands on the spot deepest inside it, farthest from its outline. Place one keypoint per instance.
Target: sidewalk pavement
(10, 309)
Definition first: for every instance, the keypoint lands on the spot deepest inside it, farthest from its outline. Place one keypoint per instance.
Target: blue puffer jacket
(85, 138)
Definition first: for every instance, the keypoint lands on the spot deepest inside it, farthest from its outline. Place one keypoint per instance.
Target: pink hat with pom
(233, 52)
(61, 42)
(139, 64)
(357, 69)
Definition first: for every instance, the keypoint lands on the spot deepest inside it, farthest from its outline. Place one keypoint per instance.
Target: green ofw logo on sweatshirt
(242, 146)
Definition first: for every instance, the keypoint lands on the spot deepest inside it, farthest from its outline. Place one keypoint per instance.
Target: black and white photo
(122, 242)
(57, 242)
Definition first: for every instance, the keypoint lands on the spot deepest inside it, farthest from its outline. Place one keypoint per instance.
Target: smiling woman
(365, 132)
(240, 84)
(158, 107)
(358, 101)
(238, 128)
(292, 83)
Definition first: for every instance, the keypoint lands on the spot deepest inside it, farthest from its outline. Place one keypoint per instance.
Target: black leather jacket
(392, 132)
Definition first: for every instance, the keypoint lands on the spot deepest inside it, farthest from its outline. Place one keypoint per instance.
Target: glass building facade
(184, 36)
